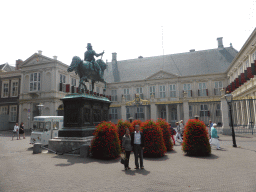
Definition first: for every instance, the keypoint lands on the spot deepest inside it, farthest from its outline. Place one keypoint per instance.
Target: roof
(6, 67)
(182, 64)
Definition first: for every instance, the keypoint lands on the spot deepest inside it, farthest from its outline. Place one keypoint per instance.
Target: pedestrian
(196, 117)
(137, 141)
(21, 130)
(214, 137)
(127, 147)
(16, 130)
(210, 126)
(181, 128)
(178, 135)
(172, 132)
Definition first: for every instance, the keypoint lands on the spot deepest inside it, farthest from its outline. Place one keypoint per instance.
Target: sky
(131, 28)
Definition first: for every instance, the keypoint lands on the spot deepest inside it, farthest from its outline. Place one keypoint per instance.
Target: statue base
(68, 144)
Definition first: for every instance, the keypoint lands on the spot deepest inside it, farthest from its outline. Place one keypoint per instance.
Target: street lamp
(229, 98)
(40, 106)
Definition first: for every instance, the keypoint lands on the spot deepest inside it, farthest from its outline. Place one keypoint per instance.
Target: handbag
(123, 157)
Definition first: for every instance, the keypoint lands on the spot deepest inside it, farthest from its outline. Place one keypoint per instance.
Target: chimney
(55, 57)
(220, 44)
(113, 56)
(18, 64)
(192, 50)
(40, 52)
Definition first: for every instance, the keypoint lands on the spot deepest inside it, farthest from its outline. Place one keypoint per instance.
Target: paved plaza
(229, 169)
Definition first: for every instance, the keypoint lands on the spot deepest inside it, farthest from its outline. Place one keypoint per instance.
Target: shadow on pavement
(164, 158)
(210, 157)
(138, 171)
(74, 159)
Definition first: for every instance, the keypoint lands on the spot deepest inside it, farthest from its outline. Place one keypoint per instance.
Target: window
(14, 89)
(98, 90)
(254, 56)
(62, 79)
(127, 94)
(113, 95)
(241, 70)
(5, 89)
(128, 115)
(202, 89)
(163, 113)
(3, 110)
(162, 91)
(140, 113)
(187, 88)
(172, 90)
(204, 111)
(152, 90)
(139, 91)
(247, 63)
(218, 110)
(13, 113)
(217, 87)
(113, 114)
(190, 110)
(73, 82)
(34, 82)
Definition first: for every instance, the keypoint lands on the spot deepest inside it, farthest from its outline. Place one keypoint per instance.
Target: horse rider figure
(89, 56)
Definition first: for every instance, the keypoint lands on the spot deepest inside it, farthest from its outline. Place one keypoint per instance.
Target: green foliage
(105, 144)
(195, 138)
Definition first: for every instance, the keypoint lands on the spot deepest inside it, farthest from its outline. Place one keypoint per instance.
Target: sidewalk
(229, 169)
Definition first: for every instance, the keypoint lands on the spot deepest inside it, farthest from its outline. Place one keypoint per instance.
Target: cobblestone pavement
(229, 169)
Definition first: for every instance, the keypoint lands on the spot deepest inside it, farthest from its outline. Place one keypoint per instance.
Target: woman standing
(21, 130)
(127, 147)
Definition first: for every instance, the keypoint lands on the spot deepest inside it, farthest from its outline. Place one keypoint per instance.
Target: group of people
(19, 130)
(133, 142)
(213, 136)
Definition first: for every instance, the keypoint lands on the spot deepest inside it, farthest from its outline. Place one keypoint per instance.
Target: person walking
(214, 137)
(137, 141)
(210, 126)
(181, 129)
(172, 132)
(127, 147)
(21, 130)
(16, 129)
(178, 135)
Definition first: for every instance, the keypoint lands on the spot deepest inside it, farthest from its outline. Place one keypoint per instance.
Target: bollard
(84, 150)
(37, 148)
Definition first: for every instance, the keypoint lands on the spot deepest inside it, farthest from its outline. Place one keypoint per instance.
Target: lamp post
(229, 98)
(40, 106)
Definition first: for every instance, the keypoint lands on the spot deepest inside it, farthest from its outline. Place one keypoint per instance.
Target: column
(242, 113)
(224, 112)
(185, 111)
(153, 110)
(178, 112)
(123, 112)
(167, 113)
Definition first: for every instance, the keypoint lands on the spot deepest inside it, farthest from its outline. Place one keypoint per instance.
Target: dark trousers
(127, 157)
(138, 153)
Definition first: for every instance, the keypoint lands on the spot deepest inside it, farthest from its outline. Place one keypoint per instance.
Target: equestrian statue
(89, 68)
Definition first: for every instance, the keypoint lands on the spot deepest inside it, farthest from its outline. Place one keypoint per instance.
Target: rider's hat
(89, 45)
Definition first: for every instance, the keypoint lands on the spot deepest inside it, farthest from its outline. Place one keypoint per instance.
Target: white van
(45, 128)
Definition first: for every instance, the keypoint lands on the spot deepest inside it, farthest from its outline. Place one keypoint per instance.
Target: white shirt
(137, 138)
(16, 128)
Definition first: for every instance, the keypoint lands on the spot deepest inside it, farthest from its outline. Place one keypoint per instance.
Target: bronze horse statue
(88, 70)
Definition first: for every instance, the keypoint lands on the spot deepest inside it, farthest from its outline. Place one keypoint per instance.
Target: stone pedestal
(82, 113)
